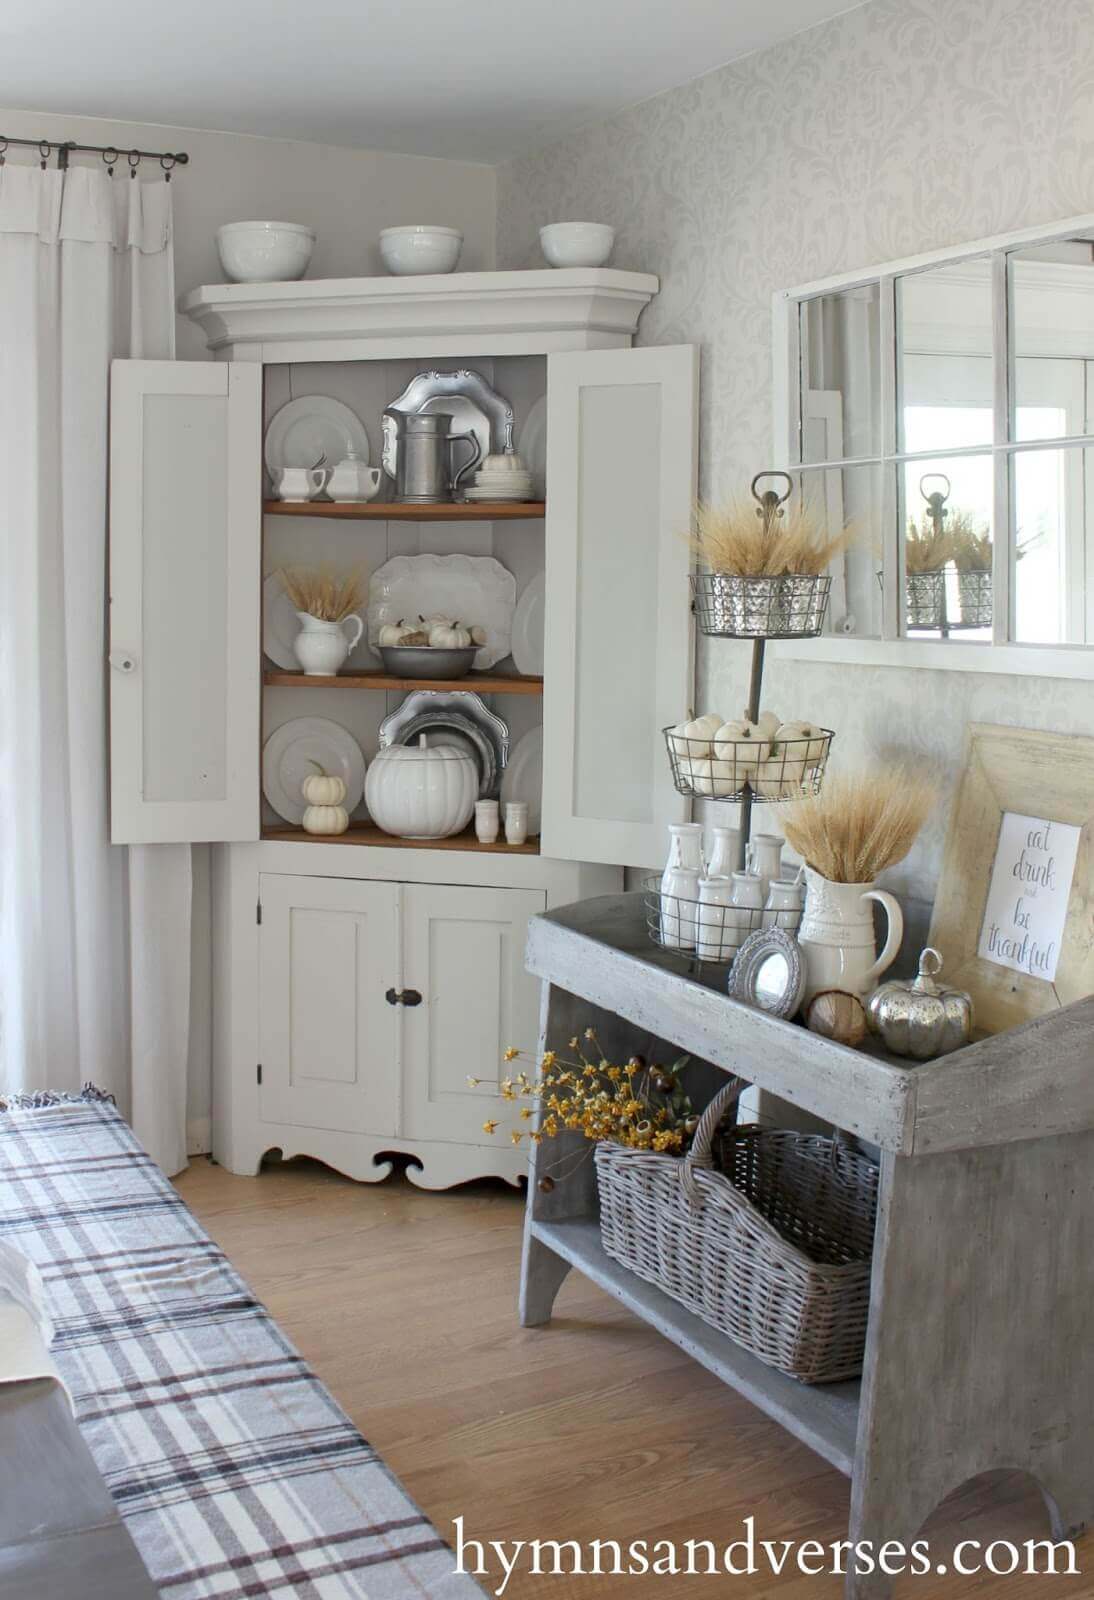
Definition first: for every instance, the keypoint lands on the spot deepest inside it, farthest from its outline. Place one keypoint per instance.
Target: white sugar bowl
(354, 480)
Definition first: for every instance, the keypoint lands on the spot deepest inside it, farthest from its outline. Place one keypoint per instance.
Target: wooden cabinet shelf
(367, 833)
(396, 511)
(481, 682)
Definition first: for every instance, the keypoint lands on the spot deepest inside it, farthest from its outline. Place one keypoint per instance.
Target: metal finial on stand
(769, 506)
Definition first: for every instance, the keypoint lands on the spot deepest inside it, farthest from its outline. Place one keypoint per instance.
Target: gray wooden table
(60, 1536)
(979, 1354)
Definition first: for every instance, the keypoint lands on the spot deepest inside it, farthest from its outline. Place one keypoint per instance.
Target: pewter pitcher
(425, 470)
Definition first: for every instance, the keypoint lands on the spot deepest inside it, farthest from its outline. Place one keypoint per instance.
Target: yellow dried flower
(489, 1126)
(474, 1082)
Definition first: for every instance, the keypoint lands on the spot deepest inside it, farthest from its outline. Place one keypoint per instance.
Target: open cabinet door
(618, 663)
(185, 562)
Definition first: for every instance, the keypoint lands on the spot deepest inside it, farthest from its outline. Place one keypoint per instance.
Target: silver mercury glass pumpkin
(921, 1019)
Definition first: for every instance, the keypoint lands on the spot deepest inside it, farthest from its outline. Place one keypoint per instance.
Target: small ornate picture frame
(1041, 932)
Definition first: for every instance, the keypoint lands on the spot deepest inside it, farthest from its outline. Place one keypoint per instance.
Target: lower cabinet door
(330, 1037)
(464, 953)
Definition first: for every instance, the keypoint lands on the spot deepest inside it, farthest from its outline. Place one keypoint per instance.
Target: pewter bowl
(426, 661)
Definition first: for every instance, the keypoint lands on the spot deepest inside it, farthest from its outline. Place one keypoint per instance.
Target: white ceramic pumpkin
(716, 779)
(449, 636)
(768, 722)
(323, 789)
(742, 744)
(326, 819)
(419, 792)
(393, 633)
(693, 739)
(812, 752)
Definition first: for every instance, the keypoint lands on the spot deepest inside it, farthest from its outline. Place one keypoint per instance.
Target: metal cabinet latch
(403, 997)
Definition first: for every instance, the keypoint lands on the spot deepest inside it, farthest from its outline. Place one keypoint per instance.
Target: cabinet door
(621, 469)
(329, 1037)
(464, 953)
(185, 587)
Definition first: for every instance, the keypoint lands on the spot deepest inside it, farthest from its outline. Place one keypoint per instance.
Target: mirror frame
(758, 948)
(894, 648)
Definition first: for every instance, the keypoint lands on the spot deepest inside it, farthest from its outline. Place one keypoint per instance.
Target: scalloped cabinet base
(351, 1011)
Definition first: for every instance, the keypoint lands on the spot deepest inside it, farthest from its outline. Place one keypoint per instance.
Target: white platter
(523, 778)
(528, 620)
(533, 446)
(475, 590)
(288, 756)
(280, 624)
(313, 426)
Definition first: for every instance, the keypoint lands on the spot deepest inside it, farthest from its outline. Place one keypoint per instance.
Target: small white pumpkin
(712, 779)
(393, 633)
(478, 635)
(776, 779)
(694, 739)
(812, 752)
(326, 819)
(323, 789)
(448, 636)
(741, 744)
(768, 723)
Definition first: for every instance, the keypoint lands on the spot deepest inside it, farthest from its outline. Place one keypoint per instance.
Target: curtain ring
(134, 159)
(167, 162)
(44, 148)
(109, 157)
(3, 151)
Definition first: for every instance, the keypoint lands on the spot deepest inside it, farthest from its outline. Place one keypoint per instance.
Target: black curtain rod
(67, 147)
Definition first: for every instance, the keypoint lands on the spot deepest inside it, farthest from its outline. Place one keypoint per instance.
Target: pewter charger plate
(468, 399)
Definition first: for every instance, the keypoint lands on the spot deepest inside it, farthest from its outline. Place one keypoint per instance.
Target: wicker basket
(773, 1249)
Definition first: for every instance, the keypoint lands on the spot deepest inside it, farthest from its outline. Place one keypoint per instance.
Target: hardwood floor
(595, 1427)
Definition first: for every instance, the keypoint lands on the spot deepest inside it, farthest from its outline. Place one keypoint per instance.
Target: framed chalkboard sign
(1014, 914)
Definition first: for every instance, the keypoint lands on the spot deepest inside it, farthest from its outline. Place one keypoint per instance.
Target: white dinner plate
(475, 590)
(280, 624)
(289, 756)
(523, 779)
(533, 447)
(313, 426)
(528, 627)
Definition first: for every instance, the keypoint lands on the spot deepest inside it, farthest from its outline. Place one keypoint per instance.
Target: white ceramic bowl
(577, 244)
(409, 251)
(265, 252)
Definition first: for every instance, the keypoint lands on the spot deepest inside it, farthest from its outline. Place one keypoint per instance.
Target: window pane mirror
(1052, 338)
(945, 408)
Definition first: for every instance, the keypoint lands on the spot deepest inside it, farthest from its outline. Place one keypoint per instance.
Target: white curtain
(94, 939)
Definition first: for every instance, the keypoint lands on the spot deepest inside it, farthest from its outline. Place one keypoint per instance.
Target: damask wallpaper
(902, 126)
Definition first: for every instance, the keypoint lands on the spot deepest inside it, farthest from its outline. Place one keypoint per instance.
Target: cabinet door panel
(185, 532)
(330, 1040)
(464, 953)
(619, 655)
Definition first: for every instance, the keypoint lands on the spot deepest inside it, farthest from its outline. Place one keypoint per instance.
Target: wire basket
(974, 598)
(766, 1235)
(769, 770)
(696, 928)
(925, 600)
(790, 607)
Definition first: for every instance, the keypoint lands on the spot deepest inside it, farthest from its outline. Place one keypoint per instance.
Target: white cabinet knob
(123, 661)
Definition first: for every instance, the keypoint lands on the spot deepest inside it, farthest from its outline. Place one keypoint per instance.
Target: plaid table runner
(233, 1468)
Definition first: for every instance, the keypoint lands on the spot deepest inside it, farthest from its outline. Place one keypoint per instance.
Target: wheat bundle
(860, 823)
(735, 541)
(321, 593)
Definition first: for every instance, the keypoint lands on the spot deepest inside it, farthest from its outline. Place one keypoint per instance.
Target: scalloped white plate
(475, 590)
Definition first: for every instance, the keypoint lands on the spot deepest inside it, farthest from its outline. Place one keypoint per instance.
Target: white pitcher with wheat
(859, 825)
(837, 936)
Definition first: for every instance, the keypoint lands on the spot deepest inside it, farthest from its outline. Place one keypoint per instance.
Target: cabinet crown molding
(465, 313)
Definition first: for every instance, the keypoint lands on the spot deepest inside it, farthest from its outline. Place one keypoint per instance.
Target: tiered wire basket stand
(757, 609)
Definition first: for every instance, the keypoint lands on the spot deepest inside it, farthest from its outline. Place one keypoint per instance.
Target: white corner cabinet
(360, 981)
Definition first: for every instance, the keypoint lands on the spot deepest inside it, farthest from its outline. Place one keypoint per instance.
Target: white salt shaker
(486, 821)
(516, 821)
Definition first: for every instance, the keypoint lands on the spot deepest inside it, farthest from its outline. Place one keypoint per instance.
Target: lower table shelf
(823, 1416)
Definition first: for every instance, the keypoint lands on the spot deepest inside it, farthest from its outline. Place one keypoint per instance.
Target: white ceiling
(478, 79)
